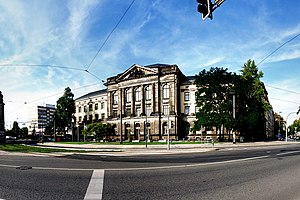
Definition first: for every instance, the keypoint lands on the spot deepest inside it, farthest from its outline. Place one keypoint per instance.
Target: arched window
(166, 91)
(128, 95)
(138, 94)
(115, 98)
(148, 93)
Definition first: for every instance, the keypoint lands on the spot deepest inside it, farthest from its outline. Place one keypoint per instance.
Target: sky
(48, 45)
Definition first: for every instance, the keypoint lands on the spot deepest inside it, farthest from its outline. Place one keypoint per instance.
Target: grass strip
(27, 149)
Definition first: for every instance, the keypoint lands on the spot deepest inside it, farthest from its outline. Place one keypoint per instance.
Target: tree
(294, 128)
(65, 108)
(16, 129)
(215, 90)
(213, 97)
(252, 102)
(99, 130)
(24, 132)
(279, 124)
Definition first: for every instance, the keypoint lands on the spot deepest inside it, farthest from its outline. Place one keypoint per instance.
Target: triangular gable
(136, 71)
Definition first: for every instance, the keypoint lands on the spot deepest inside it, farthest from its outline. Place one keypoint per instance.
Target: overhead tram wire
(50, 66)
(28, 102)
(41, 65)
(270, 54)
(282, 89)
(103, 44)
(283, 100)
(79, 69)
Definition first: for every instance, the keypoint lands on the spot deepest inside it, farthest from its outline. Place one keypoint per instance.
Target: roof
(157, 65)
(92, 94)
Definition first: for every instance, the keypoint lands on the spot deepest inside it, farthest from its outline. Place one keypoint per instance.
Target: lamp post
(168, 129)
(286, 127)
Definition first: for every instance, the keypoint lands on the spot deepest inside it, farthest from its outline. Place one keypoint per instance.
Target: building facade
(91, 107)
(144, 102)
(40, 117)
(151, 102)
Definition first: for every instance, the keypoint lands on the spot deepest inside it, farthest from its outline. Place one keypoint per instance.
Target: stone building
(151, 102)
(145, 100)
(91, 107)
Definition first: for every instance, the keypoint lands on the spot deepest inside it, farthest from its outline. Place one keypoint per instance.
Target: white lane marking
(145, 168)
(95, 187)
(191, 165)
(286, 153)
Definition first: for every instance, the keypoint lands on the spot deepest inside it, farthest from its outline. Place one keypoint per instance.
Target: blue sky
(69, 33)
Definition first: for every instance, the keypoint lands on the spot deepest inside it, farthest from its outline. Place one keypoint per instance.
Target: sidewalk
(109, 149)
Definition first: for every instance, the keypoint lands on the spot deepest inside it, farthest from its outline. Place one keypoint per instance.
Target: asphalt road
(247, 173)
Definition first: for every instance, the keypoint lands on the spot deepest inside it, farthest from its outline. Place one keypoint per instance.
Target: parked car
(8, 137)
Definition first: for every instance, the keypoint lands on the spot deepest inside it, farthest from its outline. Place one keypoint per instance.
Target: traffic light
(204, 8)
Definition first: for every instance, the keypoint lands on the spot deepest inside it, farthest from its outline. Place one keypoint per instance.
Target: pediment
(136, 71)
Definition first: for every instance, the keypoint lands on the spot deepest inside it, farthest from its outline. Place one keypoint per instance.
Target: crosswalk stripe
(95, 187)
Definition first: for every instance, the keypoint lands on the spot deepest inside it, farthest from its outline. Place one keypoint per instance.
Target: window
(91, 107)
(80, 119)
(96, 117)
(186, 110)
(148, 93)
(128, 111)
(138, 111)
(148, 110)
(115, 113)
(79, 109)
(128, 95)
(166, 110)
(166, 91)
(115, 98)
(138, 94)
(186, 96)
(96, 106)
(102, 105)
(84, 109)
(90, 118)
(102, 116)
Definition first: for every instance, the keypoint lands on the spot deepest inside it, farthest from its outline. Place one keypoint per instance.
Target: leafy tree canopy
(65, 108)
(214, 97)
(99, 130)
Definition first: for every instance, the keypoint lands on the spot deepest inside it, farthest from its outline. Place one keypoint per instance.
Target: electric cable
(103, 44)
(285, 90)
(270, 54)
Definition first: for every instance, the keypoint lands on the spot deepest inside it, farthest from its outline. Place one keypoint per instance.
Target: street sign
(219, 2)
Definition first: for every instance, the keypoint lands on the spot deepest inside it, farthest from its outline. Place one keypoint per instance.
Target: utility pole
(121, 115)
(168, 129)
(233, 113)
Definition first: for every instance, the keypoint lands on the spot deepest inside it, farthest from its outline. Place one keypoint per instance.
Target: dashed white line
(95, 187)
(286, 153)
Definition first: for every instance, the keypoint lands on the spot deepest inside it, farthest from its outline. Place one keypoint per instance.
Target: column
(132, 101)
(143, 99)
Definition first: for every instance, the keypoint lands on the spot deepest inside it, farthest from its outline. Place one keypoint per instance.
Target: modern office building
(40, 116)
